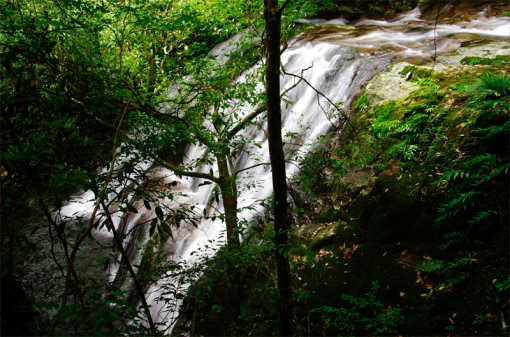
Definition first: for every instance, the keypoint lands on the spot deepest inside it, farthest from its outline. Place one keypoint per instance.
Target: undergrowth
(452, 136)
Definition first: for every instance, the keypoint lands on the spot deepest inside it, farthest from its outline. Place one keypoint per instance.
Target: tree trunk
(272, 16)
(229, 195)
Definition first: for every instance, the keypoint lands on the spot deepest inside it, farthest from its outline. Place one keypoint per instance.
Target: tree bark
(272, 14)
(229, 200)
(229, 194)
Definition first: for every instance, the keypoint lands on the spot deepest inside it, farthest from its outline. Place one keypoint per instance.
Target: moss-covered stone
(414, 73)
(316, 236)
(475, 60)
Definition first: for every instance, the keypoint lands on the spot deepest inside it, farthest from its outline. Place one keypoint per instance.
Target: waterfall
(338, 73)
(335, 60)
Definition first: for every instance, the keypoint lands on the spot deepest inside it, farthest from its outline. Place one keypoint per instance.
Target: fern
(483, 215)
(486, 160)
(384, 127)
(458, 278)
(493, 130)
(451, 239)
(461, 201)
(460, 262)
(494, 85)
(408, 151)
(454, 173)
(493, 173)
(503, 285)
(431, 266)
(428, 82)
(382, 320)
(413, 124)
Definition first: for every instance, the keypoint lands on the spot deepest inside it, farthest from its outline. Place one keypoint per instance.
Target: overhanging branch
(326, 97)
(245, 121)
(181, 172)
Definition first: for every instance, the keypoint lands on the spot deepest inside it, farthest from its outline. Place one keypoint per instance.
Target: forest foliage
(85, 86)
(93, 90)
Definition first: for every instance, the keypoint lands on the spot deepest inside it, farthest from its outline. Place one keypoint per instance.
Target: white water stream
(339, 62)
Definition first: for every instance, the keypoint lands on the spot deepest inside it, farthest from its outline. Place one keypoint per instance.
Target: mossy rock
(393, 211)
(329, 214)
(475, 60)
(414, 73)
(355, 183)
(317, 236)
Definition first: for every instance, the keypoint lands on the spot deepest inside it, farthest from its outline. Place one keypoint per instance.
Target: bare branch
(86, 232)
(239, 126)
(282, 8)
(181, 172)
(249, 168)
(341, 111)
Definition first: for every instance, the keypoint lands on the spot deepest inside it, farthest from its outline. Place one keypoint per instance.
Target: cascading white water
(334, 72)
(338, 62)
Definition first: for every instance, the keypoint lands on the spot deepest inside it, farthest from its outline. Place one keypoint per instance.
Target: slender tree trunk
(228, 192)
(125, 258)
(272, 16)
(229, 201)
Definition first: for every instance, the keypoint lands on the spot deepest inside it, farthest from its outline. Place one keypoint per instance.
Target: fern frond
(483, 215)
(493, 130)
(455, 173)
(461, 201)
(460, 262)
(385, 126)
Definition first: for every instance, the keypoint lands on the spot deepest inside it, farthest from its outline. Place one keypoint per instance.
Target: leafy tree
(70, 72)
(84, 88)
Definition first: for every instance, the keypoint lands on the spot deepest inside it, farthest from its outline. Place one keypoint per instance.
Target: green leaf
(205, 183)
(147, 204)
(131, 208)
(159, 213)
(153, 227)
(167, 229)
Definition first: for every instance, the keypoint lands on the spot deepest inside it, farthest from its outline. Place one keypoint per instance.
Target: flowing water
(337, 58)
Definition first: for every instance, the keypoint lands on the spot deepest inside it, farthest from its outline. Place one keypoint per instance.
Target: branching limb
(341, 111)
(282, 8)
(239, 126)
(86, 232)
(249, 168)
(179, 171)
(53, 250)
(125, 258)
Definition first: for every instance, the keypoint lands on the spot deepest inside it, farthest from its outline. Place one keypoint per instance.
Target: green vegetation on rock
(436, 214)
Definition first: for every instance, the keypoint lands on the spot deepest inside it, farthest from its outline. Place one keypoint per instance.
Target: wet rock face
(316, 236)
(353, 185)
(476, 49)
(393, 84)
(389, 85)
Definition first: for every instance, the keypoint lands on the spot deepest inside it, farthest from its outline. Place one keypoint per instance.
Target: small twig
(248, 168)
(86, 232)
(407, 264)
(327, 99)
(53, 251)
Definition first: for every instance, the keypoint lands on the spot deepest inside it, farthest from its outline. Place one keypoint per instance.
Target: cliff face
(400, 215)
(416, 200)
